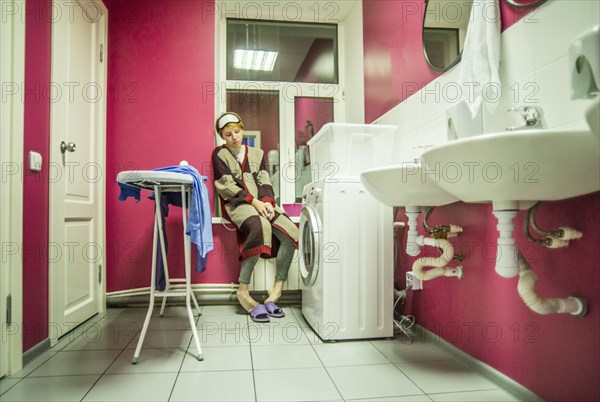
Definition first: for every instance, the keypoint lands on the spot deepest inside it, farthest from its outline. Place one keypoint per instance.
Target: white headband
(226, 119)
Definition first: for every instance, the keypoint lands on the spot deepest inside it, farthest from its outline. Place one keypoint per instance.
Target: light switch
(35, 161)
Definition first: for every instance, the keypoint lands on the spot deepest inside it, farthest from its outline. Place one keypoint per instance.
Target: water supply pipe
(528, 279)
(439, 263)
(553, 238)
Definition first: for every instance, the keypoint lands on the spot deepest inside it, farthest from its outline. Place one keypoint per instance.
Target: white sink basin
(592, 115)
(404, 185)
(512, 166)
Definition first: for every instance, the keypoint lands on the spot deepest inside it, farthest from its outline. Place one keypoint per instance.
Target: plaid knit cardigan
(237, 184)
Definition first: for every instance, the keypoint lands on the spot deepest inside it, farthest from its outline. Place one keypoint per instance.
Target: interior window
(282, 79)
(281, 51)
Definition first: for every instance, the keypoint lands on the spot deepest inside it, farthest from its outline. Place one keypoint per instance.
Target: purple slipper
(273, 310)
(260, 314)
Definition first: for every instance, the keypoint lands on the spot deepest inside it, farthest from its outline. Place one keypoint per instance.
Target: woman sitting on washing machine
(248, 200)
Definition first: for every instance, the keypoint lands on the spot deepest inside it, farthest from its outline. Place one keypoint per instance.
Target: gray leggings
(284, 259)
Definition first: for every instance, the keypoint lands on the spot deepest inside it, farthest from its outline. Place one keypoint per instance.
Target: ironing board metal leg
(196, 303)
(162, 306)
(157, 233)
(187, 245)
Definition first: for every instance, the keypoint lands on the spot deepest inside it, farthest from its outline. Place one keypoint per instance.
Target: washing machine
(346, 261)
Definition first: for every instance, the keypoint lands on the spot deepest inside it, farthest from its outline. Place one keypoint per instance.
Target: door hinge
(101, 52)
(99, 274)
(8, 310)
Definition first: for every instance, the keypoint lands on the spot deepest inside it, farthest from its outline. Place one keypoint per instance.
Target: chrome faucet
(533, 116)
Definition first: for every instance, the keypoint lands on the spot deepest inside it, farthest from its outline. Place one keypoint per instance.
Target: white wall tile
(408, 114)
(575, 125)
(517, 52)
(555, 94)
(555, 24)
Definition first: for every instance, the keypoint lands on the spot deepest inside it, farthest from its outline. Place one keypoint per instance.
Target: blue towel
(199, 221)
(129, 191)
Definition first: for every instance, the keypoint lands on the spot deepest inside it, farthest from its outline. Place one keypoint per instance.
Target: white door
(12, 75)
(76, 164)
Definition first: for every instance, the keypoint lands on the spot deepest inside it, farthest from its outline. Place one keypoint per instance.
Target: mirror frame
(439, 70)
(516, 4)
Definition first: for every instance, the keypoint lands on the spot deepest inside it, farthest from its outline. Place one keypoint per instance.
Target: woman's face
(233, 134)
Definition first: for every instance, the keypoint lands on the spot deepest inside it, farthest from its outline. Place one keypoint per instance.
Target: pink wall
(554, 356)
(316, 64)
(394, 65)
(160, 111)
(35, 184)
(318, 111)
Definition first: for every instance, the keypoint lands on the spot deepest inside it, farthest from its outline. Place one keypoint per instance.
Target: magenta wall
(38, 31)
(394, 65)
(554, 356)
(318, 111)
(160, 111)
(320, 54)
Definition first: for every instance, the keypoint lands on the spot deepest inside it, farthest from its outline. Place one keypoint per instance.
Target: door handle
(70, 147)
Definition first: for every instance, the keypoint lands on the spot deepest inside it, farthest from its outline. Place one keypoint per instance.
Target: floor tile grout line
(252, 366)
(253, 347)
(370, 343)
(117, 357)
(418, 362)
(133, 339)
(103, 373)
(323, 364)
(109, 366)
(20, 379)
(184, 356)
(62, 348)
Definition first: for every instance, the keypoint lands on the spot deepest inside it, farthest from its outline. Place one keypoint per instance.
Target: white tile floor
(243, 361)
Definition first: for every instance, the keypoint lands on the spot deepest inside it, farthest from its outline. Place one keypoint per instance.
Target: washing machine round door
(310, 244)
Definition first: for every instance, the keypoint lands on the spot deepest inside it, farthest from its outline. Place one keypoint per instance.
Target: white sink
(513, 166)
(404, 185)
(592, 115)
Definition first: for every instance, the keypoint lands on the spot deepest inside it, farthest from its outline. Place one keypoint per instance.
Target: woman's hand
(270, 210)
(263, 209)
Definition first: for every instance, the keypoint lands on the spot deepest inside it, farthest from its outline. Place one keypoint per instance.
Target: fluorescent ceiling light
(259, 60)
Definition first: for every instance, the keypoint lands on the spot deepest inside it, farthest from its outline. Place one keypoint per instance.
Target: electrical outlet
(412, 282)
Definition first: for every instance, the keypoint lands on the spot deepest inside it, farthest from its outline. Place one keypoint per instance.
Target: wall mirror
(444, 29)
(525, 3)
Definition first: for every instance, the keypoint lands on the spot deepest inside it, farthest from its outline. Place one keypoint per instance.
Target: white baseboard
(205, 294)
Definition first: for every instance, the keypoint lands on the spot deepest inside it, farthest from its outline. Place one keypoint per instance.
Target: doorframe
(95, 10)
(12, 36)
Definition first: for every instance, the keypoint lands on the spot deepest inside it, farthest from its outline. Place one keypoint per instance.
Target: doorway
(77, 163)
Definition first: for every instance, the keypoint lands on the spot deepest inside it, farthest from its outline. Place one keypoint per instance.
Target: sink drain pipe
(439, 263)
(576, 306)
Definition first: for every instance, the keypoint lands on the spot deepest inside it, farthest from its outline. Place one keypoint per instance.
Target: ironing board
(161, 182)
